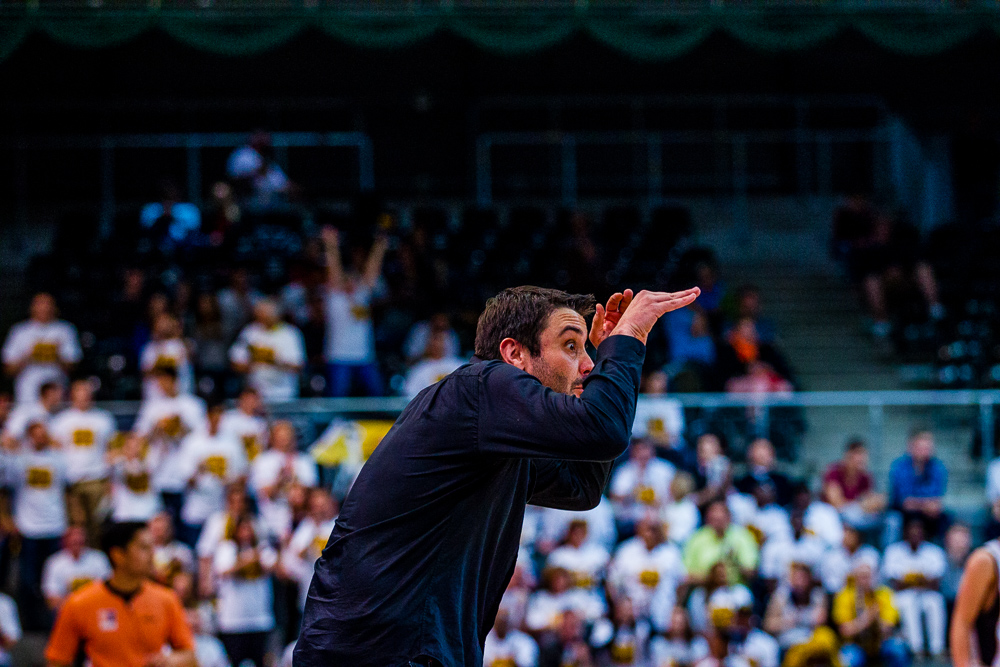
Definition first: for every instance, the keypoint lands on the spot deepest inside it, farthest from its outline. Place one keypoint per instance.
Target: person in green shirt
(720, 541)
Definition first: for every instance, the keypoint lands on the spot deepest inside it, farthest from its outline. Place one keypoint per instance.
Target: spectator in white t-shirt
(166, 349)
(10, 628)
(275, 471)
(163, 422)
(350, 335)
(659, 418)
(255, 175)
(434, 366)
(40, 349)
(133, 496)
(170, 556)
(507, 646)
(913, 569)
(83, 432)
(209, 460)
(50, 398)
(419, 336)
(246, 423)
(220, 527)
(309, 539)
(37, 475)
(585, 561)
(271, 353)
(72, 568)
(208, 650)
(644, 564)
(641, 484)
(245, 614)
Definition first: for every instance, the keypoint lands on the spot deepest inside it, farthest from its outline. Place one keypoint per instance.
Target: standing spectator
(211, 346)
(166, 349)
(236, 302)
(419, 337)
(660, 419)
(170, 557)
(557, 596)
(350, 339)
(243, 566)
(255, 175)
(169, 221)
(275, 471)
(850, 488)
(309, 540)
(680, 514)
(133, 496)
(82, 432)
(586, 562)
(271, 353)
(433, 367)
(506, 646)
(50, 397)
(72, 568)
(713, 474)
(10, 628)
(641, 484)
(692, 347)
(38, 477)
(246, 423)
(645, 565)
(554, 524)
(917, 482)
(761, 472)
(40, 349)
(914, 569)
(866, 619)
(721, 541)
(163, 423)
(208, 650)
(126, 621)
(209, 460)
(796, 615)
(838, 563)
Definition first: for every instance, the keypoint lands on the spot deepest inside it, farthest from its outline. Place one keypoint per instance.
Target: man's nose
(586, 365)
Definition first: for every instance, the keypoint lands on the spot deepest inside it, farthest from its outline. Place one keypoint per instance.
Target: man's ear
(513, 353)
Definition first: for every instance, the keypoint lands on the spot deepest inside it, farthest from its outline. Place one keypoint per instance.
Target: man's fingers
(597, 325)
(626, 301)
(613, 302)
(676, 304)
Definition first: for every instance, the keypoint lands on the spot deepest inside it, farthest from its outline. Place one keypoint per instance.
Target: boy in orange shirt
(126, 621)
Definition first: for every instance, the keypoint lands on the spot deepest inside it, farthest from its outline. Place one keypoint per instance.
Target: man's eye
(571, 345)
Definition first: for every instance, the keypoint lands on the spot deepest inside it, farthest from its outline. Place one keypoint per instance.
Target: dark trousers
(342, 377)
(34, 552)
(242, 646)
(172, 503)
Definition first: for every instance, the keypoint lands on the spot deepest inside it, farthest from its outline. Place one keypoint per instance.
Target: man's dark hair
(854, 444)
(119, 535)
(521, 313)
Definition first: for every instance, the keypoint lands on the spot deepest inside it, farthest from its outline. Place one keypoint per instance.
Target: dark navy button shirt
(427, 538)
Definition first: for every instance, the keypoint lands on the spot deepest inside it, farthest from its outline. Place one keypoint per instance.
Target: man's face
(138, 555)
(922, 447)
(43, 308)
(857, 459)
(761, 454)
(81, 395)
(563, 362)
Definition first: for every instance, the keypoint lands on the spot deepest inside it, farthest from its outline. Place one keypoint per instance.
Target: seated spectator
(839, 562)
(72, 568)
(432, 367)
(914, 569)
(721, 541)
(660, 420)
(82, 432)
(713, 476)
(745, 356)
(796, 616)
(680, 515)
(170, 222)
(713, 604)
(622, 639)
(275, 471)
(866, 619)
(770, 521)
(37, 476)
(42, 411)
(10, 628)
(821, 519)
(163, 423)
(519, 588)
(246, 423)
(133, 495)
(167, 348)
(747, 305)
(270, 353)
(208, 650)
(350, 339)
(917, 482)
(507, 646)
(761, 472)
(586, 562)
(679, 646)
(210, 346)
(255, 175)
(242, 565)
(220, 527)
(170, 557)
(566, 644)
(645, 565)
(742, 642)
(309, 539)
(209, 460)
(237, 302)
(553, 525)
(641, 484)
(778, 554)
(557, 596)
(41, 349)
(850, 488)
(419, 337)
(957, 547)
(692, 348)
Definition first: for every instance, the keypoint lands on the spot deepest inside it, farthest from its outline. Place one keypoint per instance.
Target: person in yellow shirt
(867, 622)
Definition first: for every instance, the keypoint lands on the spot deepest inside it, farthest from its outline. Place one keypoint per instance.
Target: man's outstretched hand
(643, 311)
(607, 317)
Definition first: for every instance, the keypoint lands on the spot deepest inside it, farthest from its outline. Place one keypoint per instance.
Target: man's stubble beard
(551, 378)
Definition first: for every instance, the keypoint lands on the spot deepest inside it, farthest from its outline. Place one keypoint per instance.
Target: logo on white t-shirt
(107, 620)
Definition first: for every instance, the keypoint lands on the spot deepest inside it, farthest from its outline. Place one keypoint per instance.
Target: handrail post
(986, 426)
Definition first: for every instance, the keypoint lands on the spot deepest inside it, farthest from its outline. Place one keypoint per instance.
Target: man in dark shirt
(427, 538)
